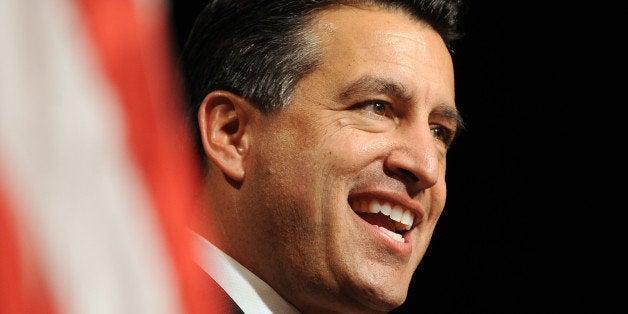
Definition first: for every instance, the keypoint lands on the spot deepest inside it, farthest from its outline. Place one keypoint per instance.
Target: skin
(366, 124)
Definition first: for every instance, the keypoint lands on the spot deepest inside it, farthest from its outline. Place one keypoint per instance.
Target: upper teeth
(403, 217)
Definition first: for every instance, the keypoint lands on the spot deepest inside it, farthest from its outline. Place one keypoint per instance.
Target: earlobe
(222, 121)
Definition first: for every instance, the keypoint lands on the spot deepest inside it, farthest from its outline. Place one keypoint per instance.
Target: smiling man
(324, 128)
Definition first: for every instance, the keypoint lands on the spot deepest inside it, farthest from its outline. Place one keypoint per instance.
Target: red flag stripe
(22, 287)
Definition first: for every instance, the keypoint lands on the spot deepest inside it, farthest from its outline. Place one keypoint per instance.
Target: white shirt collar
(252, 294)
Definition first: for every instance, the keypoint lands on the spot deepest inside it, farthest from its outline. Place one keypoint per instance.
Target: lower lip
(403, 248)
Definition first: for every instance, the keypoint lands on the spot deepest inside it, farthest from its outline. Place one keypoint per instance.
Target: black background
(525, 228)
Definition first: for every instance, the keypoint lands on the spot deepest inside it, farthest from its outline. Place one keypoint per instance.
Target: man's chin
(378, 298)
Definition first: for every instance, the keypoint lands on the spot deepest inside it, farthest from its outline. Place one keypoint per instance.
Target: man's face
(365, 133)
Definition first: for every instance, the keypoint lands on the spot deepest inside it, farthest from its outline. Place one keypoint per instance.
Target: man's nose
(414, 159)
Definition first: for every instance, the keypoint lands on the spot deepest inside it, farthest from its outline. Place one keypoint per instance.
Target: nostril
(408, 175)
(417, 167)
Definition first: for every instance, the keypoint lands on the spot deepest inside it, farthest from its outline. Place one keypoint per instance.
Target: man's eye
(442, 134)
(378, 107)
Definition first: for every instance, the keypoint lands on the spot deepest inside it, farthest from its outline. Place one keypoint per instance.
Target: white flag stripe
(62, 141)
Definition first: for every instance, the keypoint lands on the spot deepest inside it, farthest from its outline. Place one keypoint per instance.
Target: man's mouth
(392, 219)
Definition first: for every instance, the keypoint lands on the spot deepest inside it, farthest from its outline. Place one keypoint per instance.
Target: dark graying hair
(260, 49)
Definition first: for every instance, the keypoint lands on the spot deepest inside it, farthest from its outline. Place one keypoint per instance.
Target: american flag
(97, 176)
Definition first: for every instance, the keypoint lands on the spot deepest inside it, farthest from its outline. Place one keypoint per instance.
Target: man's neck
(249, 292)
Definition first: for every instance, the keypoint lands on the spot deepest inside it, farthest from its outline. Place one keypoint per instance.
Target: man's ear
(222, 119)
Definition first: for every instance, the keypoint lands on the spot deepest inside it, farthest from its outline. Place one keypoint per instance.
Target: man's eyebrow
(451, 113)
(369, 84)
(376, 85)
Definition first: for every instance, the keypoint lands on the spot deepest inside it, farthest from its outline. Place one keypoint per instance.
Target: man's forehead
(326, 19)
(354, 27)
